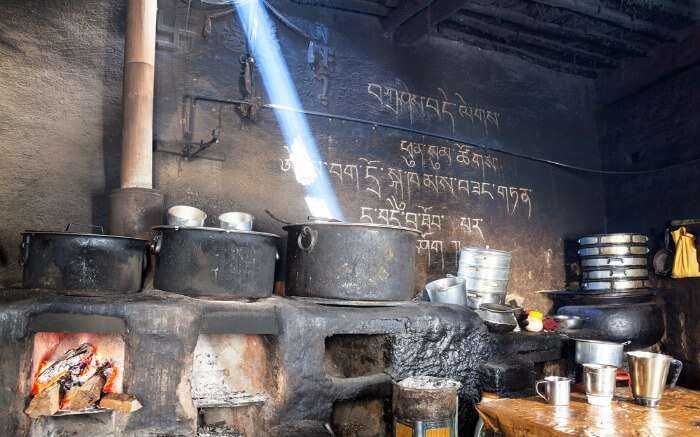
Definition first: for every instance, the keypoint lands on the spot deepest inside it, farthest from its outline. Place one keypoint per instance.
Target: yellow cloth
(685, 262)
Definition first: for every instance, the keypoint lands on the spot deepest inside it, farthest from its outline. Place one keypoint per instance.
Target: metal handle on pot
(156, 243)
(307, 232)
(24, 250)
(102, 230)
(676, 373)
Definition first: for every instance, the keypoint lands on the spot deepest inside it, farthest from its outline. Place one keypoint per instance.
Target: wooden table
(678, 415)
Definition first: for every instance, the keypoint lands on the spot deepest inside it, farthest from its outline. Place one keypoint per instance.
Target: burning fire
(72, 360)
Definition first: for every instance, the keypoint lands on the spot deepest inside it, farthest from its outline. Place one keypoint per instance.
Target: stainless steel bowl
(568, 322)
(475, 299)
(239, 221)
(186, 216)
(497, 318)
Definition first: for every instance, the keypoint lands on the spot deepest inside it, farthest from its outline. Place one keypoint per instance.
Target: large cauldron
(75, 261)
(214, 262)
(351, 261)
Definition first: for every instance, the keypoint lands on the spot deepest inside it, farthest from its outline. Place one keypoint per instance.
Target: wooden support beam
(421, 24)
(617, 18)
(453, 32)
(662, 63)
(565, 33)
(690, 9)
(367, 7)
(522, 40)
(401, 14)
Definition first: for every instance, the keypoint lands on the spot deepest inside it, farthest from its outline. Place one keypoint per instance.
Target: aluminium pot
(77, 261)
(599, 352)
(619, 238)
(351, 261)
(214, 262)
(613, 261)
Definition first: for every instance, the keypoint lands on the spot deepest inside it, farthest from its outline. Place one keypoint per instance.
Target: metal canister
(425, 406)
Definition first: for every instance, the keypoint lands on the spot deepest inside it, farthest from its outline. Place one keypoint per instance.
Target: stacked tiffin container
(486, 272)
(614, 262)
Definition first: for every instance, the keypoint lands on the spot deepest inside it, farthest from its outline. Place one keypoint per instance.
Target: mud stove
(275, 366)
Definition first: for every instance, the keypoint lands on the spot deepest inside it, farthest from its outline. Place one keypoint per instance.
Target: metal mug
(599, 383)
(648, 375)
(447, 290)
(557, 390)
(186, 216)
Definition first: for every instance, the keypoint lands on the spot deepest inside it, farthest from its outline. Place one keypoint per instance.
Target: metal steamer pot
(600, 352)
(77, 261)
(351, 261)
(213, 262)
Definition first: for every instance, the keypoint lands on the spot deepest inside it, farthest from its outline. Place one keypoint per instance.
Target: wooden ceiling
(581, 37)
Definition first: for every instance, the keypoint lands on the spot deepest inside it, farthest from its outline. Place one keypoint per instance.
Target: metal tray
(616, 273)
(612, 261)
(620, 238)
(613, 250)
(623, 284)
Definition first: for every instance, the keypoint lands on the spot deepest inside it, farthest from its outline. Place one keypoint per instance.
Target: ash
(217, 431)
(429, 383)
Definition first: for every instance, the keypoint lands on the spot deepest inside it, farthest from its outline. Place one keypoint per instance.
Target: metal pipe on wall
(136, 207)
(139, 69)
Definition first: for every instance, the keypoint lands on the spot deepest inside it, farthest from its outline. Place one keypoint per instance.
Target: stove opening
(77, 373)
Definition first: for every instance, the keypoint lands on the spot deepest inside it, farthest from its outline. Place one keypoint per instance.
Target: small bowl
(186, 216)
(568, 322)
(237, 221)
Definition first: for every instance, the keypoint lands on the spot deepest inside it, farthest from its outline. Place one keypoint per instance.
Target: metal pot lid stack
(614, 262)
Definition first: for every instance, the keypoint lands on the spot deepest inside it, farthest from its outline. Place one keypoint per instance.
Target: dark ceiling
(575, 36)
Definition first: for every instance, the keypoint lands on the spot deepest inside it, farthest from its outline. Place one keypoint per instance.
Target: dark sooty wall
(61, 69)
(655, 126)
(456, 194)
(60, 128)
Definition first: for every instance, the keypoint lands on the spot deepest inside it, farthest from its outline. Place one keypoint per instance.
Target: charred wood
(45, 403)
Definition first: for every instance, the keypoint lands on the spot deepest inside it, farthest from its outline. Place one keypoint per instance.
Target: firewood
(122, 402)
(85, 396)
(45, 403)
(59, 368)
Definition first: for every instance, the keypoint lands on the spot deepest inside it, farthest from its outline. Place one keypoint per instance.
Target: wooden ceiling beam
(519, 39)
(421, 24)
(595, 10)
(403, 13)
(452, 32)
(526, 22)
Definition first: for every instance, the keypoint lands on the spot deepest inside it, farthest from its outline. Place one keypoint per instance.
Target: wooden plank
(618, 18)
(420, 24)
(676, 416)
(524, 39)
(524, 21)
(661, 63)
(406, 10)
(448, 31)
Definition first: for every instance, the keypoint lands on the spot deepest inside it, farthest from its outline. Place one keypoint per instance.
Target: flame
(36, 387)
(111, 379)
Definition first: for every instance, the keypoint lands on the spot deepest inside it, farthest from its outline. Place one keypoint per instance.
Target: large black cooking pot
(351, 261)
(74, 261)
(214, 262)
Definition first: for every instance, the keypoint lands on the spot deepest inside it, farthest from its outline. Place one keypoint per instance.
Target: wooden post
(139, 64)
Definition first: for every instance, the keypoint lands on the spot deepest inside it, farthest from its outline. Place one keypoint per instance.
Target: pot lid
(79, 234)
(350, 224)
(207, 229)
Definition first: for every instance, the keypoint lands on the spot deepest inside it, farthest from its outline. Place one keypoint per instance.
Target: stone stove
(275, 366)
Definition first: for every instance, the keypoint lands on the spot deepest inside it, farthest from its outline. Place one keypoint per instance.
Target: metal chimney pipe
(139, 69)
(137, 207)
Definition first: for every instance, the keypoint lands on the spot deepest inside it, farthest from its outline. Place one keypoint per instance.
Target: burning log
(45, 403)
(122, 402)
(72, 361)
(84, 396)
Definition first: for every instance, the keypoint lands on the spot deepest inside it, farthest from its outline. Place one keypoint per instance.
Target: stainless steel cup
(447, 290)
(239, 221)
(648, 375)
(556, 390)
(599, 383)
(182, 215)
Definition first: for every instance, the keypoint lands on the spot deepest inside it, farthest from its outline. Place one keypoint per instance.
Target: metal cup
(599, 383)
(447, 290)
(556, 390)
(182, 215)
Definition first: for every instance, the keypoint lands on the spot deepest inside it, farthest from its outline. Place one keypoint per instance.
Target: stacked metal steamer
(615, 263)
(486, 273)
